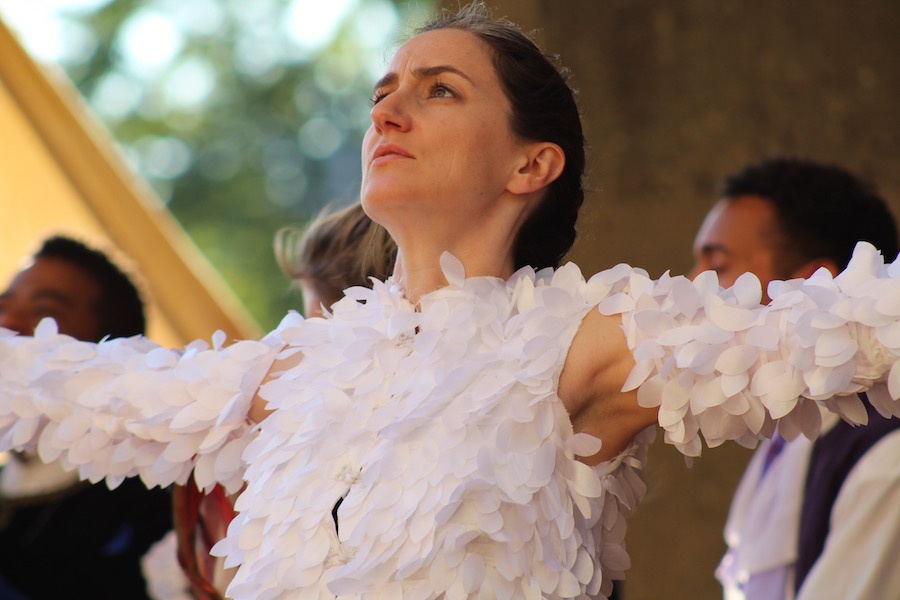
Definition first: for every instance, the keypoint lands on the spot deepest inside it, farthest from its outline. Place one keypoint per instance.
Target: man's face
(52, 287)
(739, 235)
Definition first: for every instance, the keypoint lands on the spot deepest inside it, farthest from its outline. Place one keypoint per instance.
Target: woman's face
(440, 144)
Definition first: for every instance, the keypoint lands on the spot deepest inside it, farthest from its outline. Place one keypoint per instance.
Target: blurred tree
(243, 116)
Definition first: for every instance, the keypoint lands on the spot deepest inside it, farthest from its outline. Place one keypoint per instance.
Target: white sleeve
(859, 560)
(717, 363)
(127, 407)
(160, 568)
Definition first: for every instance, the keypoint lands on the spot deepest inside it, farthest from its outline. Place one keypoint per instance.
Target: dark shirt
(85, 542)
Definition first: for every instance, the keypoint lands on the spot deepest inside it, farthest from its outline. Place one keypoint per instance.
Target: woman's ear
(806, 270)
(542, 164)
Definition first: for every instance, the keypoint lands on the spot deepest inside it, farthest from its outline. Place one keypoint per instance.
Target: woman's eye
(439, 90)
(377, 97)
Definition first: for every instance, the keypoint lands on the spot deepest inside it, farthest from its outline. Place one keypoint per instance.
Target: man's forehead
(51, 275)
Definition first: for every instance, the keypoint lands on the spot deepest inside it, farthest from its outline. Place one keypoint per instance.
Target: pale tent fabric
(61, 173)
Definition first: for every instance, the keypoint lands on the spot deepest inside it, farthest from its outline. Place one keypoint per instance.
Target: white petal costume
(439, 425)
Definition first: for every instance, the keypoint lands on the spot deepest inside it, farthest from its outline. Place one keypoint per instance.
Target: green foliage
(239, 119)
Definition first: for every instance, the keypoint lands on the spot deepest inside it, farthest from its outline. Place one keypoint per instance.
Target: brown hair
(336, 251)
(543, 109)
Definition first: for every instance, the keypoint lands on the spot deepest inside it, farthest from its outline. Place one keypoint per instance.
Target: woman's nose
(391, 111)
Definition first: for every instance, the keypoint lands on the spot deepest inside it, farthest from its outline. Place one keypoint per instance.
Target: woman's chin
(381, 202)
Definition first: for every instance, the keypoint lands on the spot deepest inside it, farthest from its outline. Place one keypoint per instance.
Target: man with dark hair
(117, 304)
(819, 519)
(60, 537)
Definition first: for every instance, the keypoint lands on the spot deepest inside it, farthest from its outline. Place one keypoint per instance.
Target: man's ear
(542, 164)
(806, 270)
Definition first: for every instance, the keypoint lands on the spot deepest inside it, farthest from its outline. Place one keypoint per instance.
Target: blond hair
(336, 251)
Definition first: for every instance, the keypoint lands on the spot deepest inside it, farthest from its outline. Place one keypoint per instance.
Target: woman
(480, 426)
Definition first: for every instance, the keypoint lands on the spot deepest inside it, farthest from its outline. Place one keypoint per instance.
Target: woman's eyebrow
(388, 79)
(423, 73)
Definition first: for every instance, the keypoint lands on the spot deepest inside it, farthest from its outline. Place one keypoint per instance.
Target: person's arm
(259, 407)
(128, 407)
(859, 560)
(715, 363)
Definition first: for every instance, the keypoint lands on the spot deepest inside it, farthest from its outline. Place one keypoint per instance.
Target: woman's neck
(418, 274)
(483, 243)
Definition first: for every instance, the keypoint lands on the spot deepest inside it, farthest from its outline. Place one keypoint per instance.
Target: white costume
(439, 424)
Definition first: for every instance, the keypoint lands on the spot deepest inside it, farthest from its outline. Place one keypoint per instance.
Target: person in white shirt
(810, 520)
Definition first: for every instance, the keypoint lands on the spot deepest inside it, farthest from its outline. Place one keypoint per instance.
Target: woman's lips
(388, 152)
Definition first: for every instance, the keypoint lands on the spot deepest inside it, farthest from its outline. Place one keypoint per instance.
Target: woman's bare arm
(590, 386)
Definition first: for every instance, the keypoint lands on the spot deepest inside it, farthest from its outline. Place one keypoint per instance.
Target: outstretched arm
(714, 363)
(128, 407)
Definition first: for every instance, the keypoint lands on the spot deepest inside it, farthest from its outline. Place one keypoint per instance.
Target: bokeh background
(243, 116)
(246, 116)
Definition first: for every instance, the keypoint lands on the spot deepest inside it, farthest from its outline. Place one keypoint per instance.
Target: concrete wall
(674, 95)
